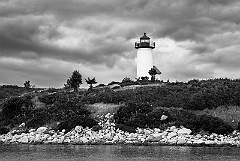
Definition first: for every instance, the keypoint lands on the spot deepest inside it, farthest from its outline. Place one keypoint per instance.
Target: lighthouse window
(147, 41)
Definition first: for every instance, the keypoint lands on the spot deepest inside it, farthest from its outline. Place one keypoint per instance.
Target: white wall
(144, 62)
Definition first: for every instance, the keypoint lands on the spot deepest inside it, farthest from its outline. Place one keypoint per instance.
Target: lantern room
(144, 42)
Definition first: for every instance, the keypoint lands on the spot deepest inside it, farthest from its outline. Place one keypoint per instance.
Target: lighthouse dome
(144, 37)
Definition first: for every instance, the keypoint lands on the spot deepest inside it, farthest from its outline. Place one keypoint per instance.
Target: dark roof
(144, 37)
(158, 71)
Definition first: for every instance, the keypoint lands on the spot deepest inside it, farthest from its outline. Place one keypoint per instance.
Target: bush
(238, 126)
(125, 128)
(143, 116)
(39, 118)
(154, 118)
(113, 82)
(3, 130)
(184, 118)
(133, 114)
(77, 120)
(213, 125)
(16, 106)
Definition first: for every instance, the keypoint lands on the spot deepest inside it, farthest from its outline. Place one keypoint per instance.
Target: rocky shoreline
(110, 135)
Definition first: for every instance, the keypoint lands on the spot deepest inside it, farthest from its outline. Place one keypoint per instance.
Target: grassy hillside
(194, 104)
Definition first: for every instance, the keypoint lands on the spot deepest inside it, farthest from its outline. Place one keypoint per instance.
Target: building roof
(157, 70)
(145, 37)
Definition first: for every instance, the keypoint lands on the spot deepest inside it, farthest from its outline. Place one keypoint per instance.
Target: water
(115, 153)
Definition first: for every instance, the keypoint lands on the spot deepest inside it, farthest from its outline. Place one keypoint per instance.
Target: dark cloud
(93, 33)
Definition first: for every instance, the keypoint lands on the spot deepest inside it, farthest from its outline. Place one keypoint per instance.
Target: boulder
(164, 117)
(172, 128)
(41, 130)
(31, 130)
(155, 137)
(84, 140)
(23, 139)
(38, 138)
(78, 129)
(184, 131)
(181, 141)
(22, 125)
(171, 135)
(157, 130)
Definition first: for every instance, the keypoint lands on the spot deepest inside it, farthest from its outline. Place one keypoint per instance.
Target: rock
(13, 140)
(147, 131)
(181, 140)
(23, 139)
(198, 136)
(198, 142)
(31, 130)
(84, 140)
(115, 138)
(78, 129)
(157, 136)
(163, 117)
(157, 130)
(41, 130)
(60, 140)
(67, 140)
(140, 131)
(22, 125)
(45, 137)
(171, 135)
(150, 138)
(172, 128)
(172, 141)
(184, 131)
(38, 138)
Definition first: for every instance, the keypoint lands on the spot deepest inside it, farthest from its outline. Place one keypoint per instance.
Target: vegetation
(27, 84)
(153, 73)
(75, 80)
(91, 82)
(193, 95)
(201, 105)
(144, 116)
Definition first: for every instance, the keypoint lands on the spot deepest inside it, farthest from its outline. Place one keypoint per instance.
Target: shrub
(213, 125)
(3, 130)
(130, 113)
(39, 118)
(184, 118)
(113, 82)
(229, 114)
(155, 119)
(238, 126)
(16, 106)
(125, 128)
(77, 120)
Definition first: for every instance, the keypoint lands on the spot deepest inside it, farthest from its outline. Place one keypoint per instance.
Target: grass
(101, 109)
(229, 114)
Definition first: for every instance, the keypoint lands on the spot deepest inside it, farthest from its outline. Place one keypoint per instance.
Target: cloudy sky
(44, 41)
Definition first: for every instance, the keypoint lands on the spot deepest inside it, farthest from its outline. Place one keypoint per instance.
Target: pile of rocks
(109, 135)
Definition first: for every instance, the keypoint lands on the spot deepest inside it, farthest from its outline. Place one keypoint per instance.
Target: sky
(44, 41)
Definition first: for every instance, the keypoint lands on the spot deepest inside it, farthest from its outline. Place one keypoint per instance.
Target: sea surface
(115, 152)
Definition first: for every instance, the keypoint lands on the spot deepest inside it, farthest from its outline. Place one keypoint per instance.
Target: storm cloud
(44, 41)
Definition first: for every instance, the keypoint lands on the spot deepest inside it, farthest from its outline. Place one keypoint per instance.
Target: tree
(91, 82)
(152, 72)
(27, 84)
(75, 80)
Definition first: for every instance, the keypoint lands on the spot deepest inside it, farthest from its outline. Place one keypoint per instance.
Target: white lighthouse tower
(144, 56)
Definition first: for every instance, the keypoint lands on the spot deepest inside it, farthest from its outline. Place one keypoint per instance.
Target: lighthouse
(144, 56)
